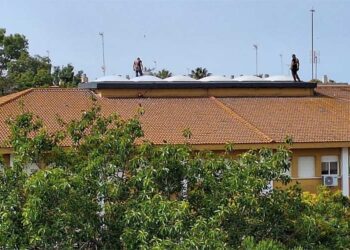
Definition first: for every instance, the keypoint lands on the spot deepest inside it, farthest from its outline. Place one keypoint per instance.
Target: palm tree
(163, 74)
(199, 73)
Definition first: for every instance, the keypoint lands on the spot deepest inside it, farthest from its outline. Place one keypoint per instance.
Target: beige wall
(307, 184)
(218, 92)
(311, 184)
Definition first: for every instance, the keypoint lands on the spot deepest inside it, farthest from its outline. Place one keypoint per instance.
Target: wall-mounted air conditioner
(330, 180)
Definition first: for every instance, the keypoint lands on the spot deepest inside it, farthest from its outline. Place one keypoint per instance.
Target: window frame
(330, 159)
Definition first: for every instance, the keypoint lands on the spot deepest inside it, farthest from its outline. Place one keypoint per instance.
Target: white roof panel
(179, 78)
(282, 78)
(248, 78)
(111, 78)
(145, 78)
(216, 78)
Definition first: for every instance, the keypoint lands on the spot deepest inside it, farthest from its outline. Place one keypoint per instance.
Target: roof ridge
(14, 96)
(231, 112)
(334, 85)
(59, 89)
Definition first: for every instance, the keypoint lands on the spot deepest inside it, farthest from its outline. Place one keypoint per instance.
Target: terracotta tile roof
(11, 97)
(211, 120)
(234, 114)
(306, 119)
(166, 118)
(335, 91)
(47, 104)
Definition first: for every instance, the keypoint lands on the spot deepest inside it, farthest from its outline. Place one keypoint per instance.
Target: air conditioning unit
(330, 180)
(31, 168)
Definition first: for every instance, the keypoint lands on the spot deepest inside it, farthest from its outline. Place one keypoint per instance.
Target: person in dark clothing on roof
(294, 67)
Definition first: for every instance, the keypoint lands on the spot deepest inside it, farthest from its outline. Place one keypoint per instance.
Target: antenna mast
(103, 53)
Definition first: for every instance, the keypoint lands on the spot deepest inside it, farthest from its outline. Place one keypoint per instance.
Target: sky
(180, 35)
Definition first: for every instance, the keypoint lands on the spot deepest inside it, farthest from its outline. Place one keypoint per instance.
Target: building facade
(249, 113)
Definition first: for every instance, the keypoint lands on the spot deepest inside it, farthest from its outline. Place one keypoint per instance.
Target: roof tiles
(242, 120)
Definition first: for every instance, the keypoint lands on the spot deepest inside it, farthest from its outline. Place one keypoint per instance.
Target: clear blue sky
(183, 34)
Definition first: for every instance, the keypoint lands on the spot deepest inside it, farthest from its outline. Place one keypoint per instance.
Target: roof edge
(273, 145)
(193, 85)
(242, 146)
(14, 96)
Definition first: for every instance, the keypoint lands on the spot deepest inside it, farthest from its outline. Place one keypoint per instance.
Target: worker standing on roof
(138, 67)
(294, 67)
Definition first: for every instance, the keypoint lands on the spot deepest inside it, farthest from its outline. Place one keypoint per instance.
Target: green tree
(107, 191)
(4, 84)
(77, 77)
(249, 244)
(325, 221)
(11, 48)
(65, 77)
(42, 78)
(163, 74)
(20, 70)
(66, 74)
(56, 75)
(28, 71)
(199, 73)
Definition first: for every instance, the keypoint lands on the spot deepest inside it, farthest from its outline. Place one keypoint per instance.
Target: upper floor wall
(136, 89)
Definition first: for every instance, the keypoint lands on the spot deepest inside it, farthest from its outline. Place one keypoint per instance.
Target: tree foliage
(111, 190)
(30, 71)
(64, 76)
(20, 70)
(199, 73)
(162, 74)
(11, 48)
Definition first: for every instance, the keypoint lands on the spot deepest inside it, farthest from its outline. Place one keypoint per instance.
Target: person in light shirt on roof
(138, 67)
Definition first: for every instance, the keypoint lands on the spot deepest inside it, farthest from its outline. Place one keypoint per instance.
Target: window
(329, 165)
(306, 166)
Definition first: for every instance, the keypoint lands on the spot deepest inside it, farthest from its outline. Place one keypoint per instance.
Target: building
(250, 112)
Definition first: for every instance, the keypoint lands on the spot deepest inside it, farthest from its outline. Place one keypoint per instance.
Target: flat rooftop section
(197, 88)
(194, 85)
